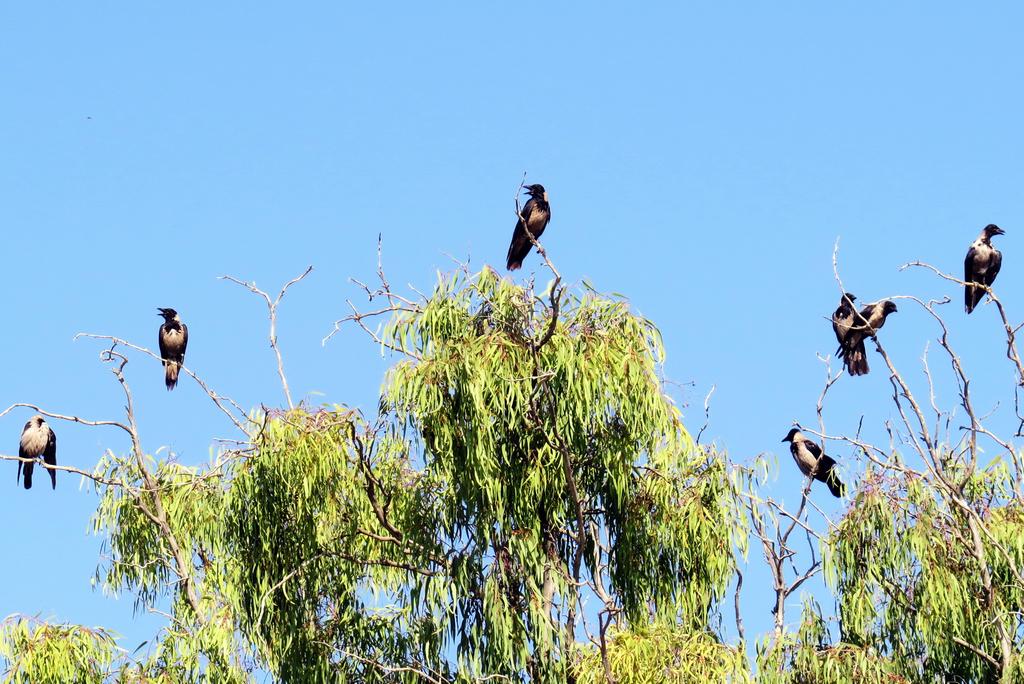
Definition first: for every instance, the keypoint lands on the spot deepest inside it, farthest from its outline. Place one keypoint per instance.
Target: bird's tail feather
(862, 362)
(28, 473)
(972, 295)
(856, 360)
(835, 486)
(171, 374)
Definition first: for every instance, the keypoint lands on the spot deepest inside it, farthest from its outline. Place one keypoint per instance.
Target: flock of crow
(851, 327)
(38, 438)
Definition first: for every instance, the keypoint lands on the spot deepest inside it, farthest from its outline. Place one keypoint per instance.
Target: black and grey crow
(37, 439)
(981, 265)
(537, 213)
(866, 323)
(173, 340)
(842, 321)
(809, 458)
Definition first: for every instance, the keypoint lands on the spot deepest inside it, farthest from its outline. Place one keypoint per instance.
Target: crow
(173, 340)
(537, 213)
(981, 265)
(37, 439)
(842, 321)
(811, 461)
(866, 323)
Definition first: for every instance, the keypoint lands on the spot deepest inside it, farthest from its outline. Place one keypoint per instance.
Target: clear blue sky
(702, 160)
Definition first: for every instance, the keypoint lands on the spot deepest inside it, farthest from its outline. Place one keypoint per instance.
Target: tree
(926, 564)
(525, 483)
(527, 505)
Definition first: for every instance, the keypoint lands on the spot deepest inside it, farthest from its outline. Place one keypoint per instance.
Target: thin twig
(395, 304)
(736, 600)
(707, 414)
(67, 469)
(216, 398)
(272, 311)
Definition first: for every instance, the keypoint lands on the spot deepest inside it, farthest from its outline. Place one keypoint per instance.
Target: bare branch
(67, 469)
(736, 601)
(158, 516)
(811, 572)
(395, 304)
(977, 651)
(272, 312)
(217, 399)
(1011, 331)
(358, 317)
(707, 414)
(59, 416)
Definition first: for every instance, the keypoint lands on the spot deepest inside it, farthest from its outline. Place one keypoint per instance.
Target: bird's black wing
(825, 471)
(28, 467)
(163, 345)
(828, 473)
(521, 244)
(50, 457)
(184, 342)
(993, 267)
(839, 318)
(972, 295)
(843, 325)
(840, 338)
(969, 274)
(514, 258)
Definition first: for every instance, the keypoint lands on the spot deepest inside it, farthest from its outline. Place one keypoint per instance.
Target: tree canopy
(525, 503)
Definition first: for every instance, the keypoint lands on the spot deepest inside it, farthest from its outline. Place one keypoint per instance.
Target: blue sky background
(701, 159)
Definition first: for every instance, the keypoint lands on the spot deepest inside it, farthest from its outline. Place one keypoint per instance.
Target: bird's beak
(1001, 232)
(784, 439)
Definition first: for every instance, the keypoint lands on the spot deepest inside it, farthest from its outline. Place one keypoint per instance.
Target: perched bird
(809, 458)
(842, 321)
(981, 265)
(537, 213)
(173, 340)
(866, 323)
(37, 439)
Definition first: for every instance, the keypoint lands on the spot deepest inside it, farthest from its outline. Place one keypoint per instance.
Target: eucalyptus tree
(926, 565)
(525, 503)
(524, 496)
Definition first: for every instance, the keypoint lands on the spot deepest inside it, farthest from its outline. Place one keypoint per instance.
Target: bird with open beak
(536, 214)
